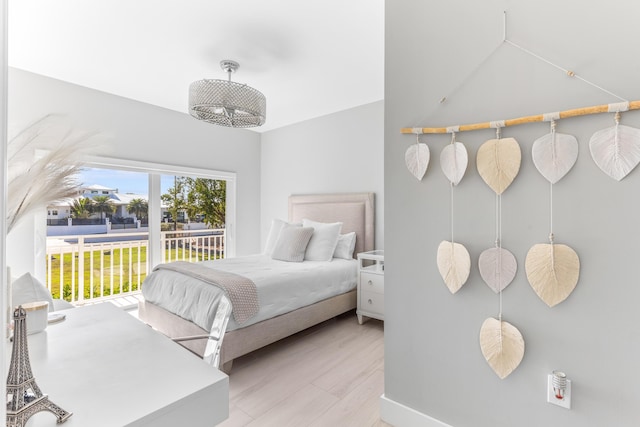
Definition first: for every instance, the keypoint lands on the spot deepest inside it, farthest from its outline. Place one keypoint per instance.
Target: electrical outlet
(565, 400)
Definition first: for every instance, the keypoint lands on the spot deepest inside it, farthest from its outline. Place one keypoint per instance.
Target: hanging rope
(633, 105)
(553, 136)
(453, 139)
(500, 255)
(567, 72)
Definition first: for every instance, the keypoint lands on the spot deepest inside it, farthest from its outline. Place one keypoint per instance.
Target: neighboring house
(62, 210)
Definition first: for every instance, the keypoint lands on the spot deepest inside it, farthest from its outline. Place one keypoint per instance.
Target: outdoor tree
(81, 208)
(103, 205)
(138, 207)
(176, 198)
(208, 198)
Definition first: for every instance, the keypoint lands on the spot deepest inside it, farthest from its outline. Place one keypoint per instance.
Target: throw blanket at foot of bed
(242, 292)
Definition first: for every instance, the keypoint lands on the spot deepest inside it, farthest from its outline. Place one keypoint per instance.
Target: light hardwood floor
(328, 375)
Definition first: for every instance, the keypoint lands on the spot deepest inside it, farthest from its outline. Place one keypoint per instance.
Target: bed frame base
(239, 342)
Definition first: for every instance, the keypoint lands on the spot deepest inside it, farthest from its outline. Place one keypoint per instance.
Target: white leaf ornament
(502, 346)
(454, 161)
(498, 162)
(553, 271)
(417, 159)
(454, 264)
(554, 154)
(616, 150)
(497, 267)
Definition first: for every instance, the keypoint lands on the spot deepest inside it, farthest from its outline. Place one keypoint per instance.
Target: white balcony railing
(89, 268)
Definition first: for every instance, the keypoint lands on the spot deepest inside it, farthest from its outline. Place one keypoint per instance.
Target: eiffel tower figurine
(24, 397)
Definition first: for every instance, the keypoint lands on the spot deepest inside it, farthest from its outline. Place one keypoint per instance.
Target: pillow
(346, 245)
(292, 243)
(276, 226)
(27, 288)
(324, 240)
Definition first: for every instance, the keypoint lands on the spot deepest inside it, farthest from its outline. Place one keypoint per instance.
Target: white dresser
(370, 285)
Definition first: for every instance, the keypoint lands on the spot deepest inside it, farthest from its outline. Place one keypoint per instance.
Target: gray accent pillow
(292, 243)
(346, 245)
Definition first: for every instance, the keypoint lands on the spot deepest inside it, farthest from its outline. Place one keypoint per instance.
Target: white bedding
(282, 287)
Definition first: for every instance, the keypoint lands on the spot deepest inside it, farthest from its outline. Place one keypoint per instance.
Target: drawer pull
(369, 301)
(370, 282)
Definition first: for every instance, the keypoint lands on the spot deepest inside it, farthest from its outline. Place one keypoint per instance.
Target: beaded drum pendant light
(227, 103)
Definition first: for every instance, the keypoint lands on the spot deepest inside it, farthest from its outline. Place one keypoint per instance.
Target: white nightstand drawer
(370, 286)
(372, 302)
(371, 283)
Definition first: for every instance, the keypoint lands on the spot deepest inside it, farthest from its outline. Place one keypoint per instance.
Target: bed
(354, 210)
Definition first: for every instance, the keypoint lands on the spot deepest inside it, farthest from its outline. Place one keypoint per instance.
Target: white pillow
(346, 245)
(292, 243)
(276, 226)
(27, 288)
(324, 240)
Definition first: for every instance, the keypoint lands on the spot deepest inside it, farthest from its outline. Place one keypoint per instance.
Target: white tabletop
(112, 370)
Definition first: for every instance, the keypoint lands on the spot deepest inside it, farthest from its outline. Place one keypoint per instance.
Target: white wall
(338, 153)
(433, 363)
(3, 183)
(146, 133)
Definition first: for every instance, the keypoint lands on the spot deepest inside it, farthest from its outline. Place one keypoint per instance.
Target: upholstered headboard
(354, 210)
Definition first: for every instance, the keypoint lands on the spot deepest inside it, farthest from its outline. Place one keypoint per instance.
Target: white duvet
(282, 287)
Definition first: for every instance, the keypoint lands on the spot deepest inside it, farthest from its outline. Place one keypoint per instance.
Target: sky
(124, 181)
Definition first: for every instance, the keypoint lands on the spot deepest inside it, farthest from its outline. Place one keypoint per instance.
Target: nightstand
(370, 285)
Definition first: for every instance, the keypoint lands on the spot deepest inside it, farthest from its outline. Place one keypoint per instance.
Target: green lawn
(131, 274)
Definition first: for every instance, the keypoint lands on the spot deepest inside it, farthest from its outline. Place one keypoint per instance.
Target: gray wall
(433, 362)
(143, 132)
(341, 152)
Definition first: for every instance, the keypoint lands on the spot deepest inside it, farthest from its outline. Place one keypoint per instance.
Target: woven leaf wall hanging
(417, 159)
(553, 271)
(497, 267)
(498, 162)
(616, 150)
(453, 161)
(554, 154)
(454, 264)
(502, 346)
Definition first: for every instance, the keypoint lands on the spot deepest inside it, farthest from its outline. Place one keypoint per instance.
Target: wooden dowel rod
(597, 109)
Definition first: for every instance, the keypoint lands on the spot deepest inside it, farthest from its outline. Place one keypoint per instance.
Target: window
(173, 213)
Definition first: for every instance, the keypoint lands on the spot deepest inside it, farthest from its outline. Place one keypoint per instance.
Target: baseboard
(399, 415)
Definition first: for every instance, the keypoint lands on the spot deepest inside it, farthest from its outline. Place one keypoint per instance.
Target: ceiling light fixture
(227, 103)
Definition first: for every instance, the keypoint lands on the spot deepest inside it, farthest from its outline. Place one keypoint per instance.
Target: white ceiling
(308, 57)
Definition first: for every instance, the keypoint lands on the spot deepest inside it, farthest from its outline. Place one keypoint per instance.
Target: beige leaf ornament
(454, 161)
(616, 150)
(454, 264)
(497, 268)
(498, 162)
(502, 346)
(553, 271)
(417, 159)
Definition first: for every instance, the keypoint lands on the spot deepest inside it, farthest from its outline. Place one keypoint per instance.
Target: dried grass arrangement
(43, 162)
